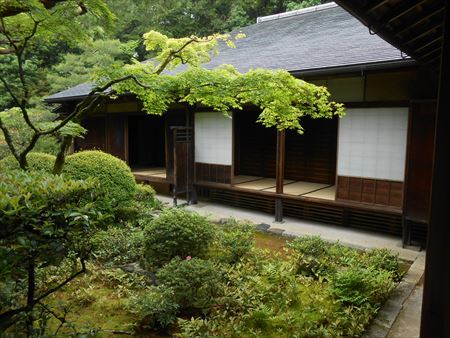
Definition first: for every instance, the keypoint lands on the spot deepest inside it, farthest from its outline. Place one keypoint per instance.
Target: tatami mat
(261, 184)
(299, 188)
(158, 172)
(326, 193)
(244, 178)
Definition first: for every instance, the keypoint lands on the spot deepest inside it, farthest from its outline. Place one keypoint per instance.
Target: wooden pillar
(280, 164)
(436, 295)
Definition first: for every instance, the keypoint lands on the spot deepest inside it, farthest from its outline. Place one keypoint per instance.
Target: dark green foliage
(382, 259)
(21, 133)
(142, 207)
(233, 242)
(145, 202)
(115, 177)
(313, 256)
(356, 286)
(201, 17)
(310, 246)
(195, 282)
(119, 245)
(144, 193)
(155, 308)
(36, 161)
(177, 233)
(45, 221)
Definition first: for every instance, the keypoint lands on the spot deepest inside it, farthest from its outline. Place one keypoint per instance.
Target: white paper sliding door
(213, 138)
(372, 143)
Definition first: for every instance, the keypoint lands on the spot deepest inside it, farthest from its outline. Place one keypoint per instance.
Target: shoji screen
(372, 143)
(213, 138)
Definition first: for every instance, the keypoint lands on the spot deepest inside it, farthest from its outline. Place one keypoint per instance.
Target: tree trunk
(61, 157)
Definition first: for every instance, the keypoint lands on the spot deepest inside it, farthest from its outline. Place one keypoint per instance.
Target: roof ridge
(296, 12)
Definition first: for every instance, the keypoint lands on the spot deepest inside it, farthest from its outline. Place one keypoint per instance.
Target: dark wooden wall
(419, 160)
(419, 170)
(174, 118)
(371, 191)
(147, 140)
(311, 157)
(254, 146)
(106, 133)
(95, 137)
(217, 173)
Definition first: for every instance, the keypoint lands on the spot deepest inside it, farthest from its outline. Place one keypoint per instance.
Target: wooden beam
(377, 5)
(422, 19)
(439, 38)
(428, 31)
(408, 8)
(280, 166)
(436, 295)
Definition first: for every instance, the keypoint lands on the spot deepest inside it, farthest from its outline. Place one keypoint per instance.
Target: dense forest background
(57, 65)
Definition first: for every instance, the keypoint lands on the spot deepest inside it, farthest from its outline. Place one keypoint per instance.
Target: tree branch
(9, 140)
(173, 54)
(23, 155)
(8, 318)
(68, 280)
(11, 10)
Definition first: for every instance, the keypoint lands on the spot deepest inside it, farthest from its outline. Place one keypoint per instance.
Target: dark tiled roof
(72, 93)
(307, 40)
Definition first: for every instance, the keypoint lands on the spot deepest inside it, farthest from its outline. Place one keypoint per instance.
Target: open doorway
(147, 145)
(310, 159)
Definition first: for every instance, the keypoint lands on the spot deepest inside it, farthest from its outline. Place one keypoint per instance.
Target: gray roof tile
(326, 38)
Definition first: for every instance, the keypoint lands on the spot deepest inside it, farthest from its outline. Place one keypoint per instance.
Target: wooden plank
(355, 189)
(436, 294)
(281, 156)
(419, 160)
(368, 191)
(342, 188)
(382, 192)
(396, 194)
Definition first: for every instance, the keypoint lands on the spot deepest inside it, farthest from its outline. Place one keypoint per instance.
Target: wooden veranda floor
(253, 183)
(144, 173)
(291, 187)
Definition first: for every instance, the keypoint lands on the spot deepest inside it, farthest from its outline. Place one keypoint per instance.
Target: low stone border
(389, 312)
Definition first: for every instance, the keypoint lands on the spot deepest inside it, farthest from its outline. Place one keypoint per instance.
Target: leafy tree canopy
(284, 100)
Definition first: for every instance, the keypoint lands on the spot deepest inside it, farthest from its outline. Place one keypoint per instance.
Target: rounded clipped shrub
(177, 233)
(113, 174)
(144, 192)
(36, 161)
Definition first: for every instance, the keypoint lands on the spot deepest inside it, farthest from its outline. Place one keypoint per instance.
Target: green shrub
(312, 256)
(356, 286)
(45, 221)
(145, 202)
(155, 308)
(234, 240)
(382, 259)
(119, 245)
(144, 193)
(177, 233)
(195, 282)
(36, 161)
(310, 246)
(115, 177)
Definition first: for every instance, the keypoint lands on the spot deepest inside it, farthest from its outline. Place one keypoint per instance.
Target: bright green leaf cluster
(283, 99)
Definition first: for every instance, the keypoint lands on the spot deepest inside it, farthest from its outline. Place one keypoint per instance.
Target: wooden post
(436, 295)
(280, 164)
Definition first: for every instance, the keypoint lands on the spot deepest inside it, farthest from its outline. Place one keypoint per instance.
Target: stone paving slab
(297, 227)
